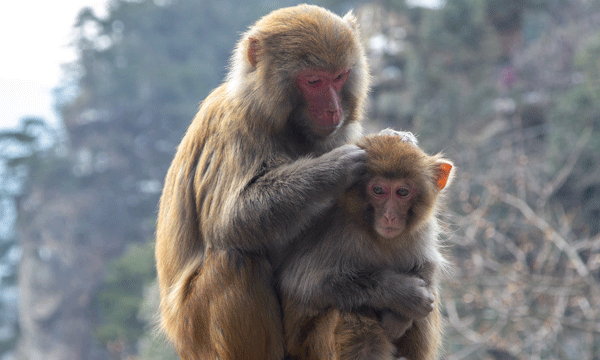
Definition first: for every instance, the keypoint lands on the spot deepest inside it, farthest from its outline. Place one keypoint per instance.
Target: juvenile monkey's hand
(404, 294)
(420, 298)
(348, 162)
(411, 297)
(405, 136)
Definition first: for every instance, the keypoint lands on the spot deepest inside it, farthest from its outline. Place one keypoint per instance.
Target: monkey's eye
(341, 76)
(313, 82)
(403, 192)
(378, 190)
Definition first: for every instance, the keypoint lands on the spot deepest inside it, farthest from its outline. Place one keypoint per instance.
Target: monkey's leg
(231, 311)
(394, 325)
(423, 340)
(339, 335)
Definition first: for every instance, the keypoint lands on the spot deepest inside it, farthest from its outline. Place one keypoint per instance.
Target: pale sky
(34, 38)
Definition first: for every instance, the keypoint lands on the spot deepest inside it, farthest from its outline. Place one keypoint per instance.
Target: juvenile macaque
(263, 158)
(362, 283)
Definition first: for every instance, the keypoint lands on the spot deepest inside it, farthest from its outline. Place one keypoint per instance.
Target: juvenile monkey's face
(391, 199)
(322, 91)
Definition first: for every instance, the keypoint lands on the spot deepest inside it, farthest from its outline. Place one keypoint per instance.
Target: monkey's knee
(423, 340)
(362, 337)
(232, 310)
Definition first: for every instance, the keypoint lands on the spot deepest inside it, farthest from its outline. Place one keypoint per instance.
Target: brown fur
(247, 178)
(345, 289)
(423, 340)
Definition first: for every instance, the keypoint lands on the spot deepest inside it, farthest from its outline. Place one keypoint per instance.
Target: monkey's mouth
(388, 232)
(325, 129)
(329, 121)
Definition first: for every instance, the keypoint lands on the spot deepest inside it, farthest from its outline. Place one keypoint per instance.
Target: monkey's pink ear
(253, 50)
(443, 174)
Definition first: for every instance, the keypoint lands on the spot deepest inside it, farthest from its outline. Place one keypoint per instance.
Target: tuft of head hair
(392, 157)
(280, 45)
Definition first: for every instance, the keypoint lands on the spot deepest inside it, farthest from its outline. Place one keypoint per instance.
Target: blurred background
(508, 89)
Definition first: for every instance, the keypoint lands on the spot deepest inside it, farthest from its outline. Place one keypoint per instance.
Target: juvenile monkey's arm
(318, 289)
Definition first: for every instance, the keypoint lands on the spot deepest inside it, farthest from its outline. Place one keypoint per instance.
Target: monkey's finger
(405, 136)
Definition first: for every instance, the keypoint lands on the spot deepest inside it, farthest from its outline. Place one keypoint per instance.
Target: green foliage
(588, 99)
(457, 27)
(576, 114)
(450, 48)
(119, 300)
(463, 20)
(578, 108)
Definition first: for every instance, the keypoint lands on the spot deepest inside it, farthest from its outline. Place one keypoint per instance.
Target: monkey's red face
(391, 199)
(322, 92)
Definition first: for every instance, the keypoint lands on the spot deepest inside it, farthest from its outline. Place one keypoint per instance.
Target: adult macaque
(362, 283)
(262, 159)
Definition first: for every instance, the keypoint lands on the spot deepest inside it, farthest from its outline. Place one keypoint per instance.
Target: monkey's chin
(324, 131)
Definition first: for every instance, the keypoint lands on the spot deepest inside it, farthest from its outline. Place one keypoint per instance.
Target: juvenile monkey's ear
(443, 174)
(253, 50)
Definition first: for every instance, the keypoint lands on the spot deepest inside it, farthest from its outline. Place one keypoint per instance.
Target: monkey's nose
(389, 217)
(333, 117)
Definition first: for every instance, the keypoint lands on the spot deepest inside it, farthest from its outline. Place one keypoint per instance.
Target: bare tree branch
(548, 231)
(566, 170)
